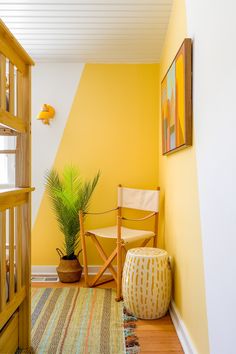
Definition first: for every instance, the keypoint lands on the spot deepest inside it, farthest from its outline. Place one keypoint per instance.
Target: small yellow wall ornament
(46, 114)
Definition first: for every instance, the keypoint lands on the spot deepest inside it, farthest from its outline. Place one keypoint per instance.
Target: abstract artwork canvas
(176, 101)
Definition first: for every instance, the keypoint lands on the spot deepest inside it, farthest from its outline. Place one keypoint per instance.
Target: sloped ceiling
(93, 31)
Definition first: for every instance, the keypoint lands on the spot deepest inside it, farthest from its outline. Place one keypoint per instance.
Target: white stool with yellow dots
(146, 282)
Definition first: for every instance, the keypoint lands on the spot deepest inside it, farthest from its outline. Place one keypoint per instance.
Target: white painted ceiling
(92, 31)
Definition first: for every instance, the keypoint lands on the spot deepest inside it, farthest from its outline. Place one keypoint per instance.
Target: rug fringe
(131, 340)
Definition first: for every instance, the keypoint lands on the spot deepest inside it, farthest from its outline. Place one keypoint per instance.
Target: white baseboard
(182, 332)
(37, 270)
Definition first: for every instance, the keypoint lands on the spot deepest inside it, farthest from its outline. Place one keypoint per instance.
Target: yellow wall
(180, 220)
(112, 126)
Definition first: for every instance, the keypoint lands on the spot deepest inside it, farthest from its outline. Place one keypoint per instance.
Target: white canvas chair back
(140, 199)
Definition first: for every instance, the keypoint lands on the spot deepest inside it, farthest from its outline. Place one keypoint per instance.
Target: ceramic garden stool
(146, 282)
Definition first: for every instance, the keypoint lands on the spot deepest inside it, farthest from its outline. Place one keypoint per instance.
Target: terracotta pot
(69, 270)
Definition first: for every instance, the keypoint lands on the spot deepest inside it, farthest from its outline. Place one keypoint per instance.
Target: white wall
(212, 26)
(55, 84)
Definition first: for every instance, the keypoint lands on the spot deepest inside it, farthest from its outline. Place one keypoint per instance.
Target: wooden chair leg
(103, 255)
(104, 267)
(119, 272)
(145, 242)
(83, 245)
(119, 257)
(155, 241)
(156, 231)
(104, 281)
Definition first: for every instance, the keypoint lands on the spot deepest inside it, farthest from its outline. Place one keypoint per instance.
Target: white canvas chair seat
(127, 235)
(128, 198)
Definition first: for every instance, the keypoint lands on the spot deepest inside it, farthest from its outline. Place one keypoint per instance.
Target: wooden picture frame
(176, 101)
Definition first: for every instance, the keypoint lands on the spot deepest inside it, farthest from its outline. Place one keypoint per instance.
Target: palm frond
(68, 195)
(88, 191)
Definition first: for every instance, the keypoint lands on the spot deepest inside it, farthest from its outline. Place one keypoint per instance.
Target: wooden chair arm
(140, 219)
(103, 212)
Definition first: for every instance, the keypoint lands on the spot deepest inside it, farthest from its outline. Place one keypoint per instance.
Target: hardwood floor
(155, 336)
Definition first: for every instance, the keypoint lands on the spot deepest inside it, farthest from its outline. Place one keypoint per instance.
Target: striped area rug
(77, 320)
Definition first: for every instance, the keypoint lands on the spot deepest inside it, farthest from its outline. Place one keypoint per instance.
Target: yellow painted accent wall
(179, 217)
(112, 126)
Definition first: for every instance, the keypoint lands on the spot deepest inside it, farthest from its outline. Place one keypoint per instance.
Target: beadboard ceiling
(92, 31)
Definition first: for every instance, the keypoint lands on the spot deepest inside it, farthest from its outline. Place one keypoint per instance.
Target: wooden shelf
(12, 122)
(13, 191)
(12, 306)
(15, 203)
(12, 197)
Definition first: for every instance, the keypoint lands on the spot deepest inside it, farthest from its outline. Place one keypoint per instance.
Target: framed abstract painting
(176, 101)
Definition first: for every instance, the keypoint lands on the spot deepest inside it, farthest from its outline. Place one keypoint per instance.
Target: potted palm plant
(69, 194)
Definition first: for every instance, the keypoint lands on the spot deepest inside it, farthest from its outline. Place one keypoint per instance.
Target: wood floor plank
(155, 336)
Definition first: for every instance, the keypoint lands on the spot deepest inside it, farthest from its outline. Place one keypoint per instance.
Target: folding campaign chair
(146, 200)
